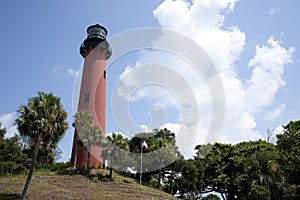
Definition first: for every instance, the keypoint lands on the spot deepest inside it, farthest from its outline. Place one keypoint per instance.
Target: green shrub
(59, 166)
(259, 192)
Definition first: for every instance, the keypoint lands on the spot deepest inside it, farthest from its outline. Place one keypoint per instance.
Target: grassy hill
(52, 186)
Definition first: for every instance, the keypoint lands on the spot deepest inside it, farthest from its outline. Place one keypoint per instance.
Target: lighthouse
(95, 50)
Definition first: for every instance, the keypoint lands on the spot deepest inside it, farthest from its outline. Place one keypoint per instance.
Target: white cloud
(8, 121)
(61, 70)
(273, 11)
(57, 71)
(268, 66)
(278, 130)
(273, 134)
(145, 128)
(247, 121)
(247, 127)
(186, 139)
(203, 21)
(72, 72)
(275, 113)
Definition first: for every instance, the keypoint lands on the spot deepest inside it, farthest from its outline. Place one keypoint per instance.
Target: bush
(259, 192)
(59, 166)
(10, 168)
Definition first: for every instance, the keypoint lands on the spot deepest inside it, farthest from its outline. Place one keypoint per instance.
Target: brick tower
(95, 50)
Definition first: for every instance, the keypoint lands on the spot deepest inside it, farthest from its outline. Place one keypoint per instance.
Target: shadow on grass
(4, 196)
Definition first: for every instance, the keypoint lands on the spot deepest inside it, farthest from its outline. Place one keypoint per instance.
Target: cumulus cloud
(275, 113)
(268, 65)
(203, 21)
(8, 122)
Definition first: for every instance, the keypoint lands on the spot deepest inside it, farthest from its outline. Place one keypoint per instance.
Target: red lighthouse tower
(95, 50)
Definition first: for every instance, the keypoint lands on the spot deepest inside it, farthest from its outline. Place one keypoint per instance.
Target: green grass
(69, 185)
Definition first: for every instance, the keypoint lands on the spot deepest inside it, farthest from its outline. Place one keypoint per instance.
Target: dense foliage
(247, 170)
(12, 159)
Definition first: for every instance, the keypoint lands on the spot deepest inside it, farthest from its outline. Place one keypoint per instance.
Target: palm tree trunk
(36, 150)
(112, 159)
(111, 168)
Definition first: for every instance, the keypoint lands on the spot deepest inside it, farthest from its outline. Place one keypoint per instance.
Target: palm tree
(43, 115)
(89, 134)
(263, 170)
(114, 141)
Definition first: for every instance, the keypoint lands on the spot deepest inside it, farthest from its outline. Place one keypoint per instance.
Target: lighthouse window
(87, 97)
(104, 74)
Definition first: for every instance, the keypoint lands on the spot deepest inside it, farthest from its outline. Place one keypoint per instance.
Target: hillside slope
(51, 186)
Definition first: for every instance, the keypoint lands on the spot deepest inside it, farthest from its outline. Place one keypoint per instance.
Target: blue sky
(253, 44)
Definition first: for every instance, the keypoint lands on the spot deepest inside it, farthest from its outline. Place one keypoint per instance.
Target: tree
(116, 146)
(12, 159)
(2, 143)
(89, 134)
(48, 146)
(173, 175)
(191, 182)
(289, 141)
(160, 155)
(263, 170)
(163, 155)
(2, 132)
(288, 145)
(225, 166)
(220, 170)
(43, 115)
(259, 192)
